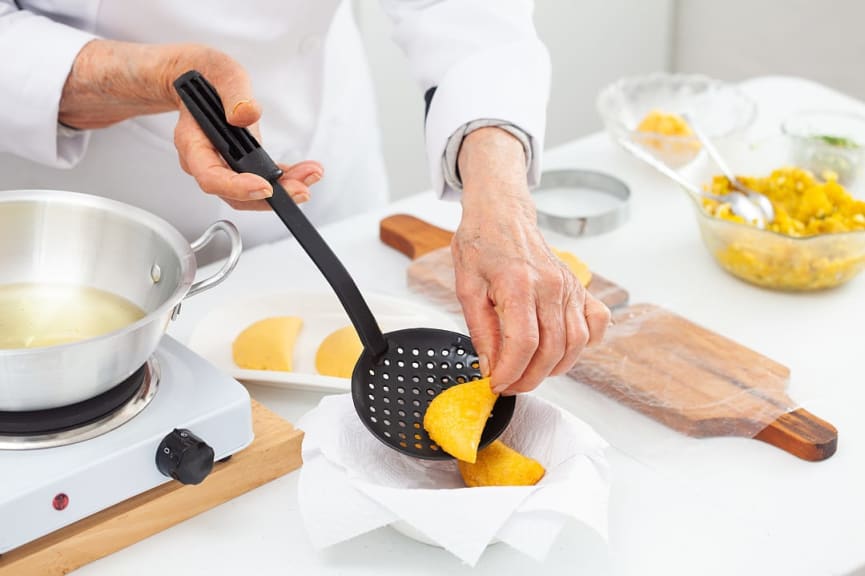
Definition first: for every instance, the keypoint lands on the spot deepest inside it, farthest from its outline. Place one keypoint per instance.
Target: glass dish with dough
(648, 109)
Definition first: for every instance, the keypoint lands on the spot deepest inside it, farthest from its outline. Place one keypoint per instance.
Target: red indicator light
(60, 502)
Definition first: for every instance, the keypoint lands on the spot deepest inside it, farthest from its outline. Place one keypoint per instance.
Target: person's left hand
(527, 314)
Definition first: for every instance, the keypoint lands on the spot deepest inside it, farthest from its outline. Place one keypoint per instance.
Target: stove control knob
(185, 457)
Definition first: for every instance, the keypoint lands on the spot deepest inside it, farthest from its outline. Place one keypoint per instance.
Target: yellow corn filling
(805, 207)
(661, 123)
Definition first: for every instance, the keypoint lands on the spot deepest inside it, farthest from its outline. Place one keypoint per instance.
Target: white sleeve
(38, 55)
(475, 59)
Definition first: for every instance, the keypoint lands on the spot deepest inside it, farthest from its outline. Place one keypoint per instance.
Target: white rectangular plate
(321, 314)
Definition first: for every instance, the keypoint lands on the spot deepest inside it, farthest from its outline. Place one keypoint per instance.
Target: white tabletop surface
(678, 506)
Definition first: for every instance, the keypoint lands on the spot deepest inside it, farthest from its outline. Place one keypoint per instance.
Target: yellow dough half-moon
(455, 419)
(577, 266)
(338, 353)
(501, 465)
(267, 344)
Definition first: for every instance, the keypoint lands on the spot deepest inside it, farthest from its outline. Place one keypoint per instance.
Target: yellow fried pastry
(500, 465)
(267, 344)
(455, 419)
(577, 266)
(338, 353)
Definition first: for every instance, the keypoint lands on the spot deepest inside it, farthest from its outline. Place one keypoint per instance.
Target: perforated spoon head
(391, 393)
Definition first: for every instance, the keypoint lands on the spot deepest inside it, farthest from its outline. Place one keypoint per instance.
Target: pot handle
(229, 230)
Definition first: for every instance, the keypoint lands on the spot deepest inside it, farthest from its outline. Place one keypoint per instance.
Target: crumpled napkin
(351, 483)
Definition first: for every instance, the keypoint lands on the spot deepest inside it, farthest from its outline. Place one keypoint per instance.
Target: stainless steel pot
(55, 237)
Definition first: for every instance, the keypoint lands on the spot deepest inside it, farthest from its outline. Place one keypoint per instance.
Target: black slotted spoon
(398, 373)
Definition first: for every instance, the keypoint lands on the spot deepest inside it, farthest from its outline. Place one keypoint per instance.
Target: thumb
(235, 90)
(597, 319)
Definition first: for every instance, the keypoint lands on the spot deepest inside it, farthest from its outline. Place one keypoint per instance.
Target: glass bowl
(825, 140)
(770, 259)
(722, 109)
(780, 262)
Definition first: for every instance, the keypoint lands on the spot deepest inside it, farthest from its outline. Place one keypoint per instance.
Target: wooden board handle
(412, 236)
(802, 434)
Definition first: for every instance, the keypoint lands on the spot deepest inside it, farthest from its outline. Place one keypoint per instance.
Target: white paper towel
(351, 483)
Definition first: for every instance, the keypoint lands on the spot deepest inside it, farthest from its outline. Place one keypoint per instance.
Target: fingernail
(484, 365)
(260, 194)
(312, 178)
(238, 105)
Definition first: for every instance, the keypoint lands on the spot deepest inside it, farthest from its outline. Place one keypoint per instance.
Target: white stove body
(98, 473)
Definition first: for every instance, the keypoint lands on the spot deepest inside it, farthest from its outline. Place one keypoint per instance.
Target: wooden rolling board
(700, 383)
(415, 237)
(274, 453)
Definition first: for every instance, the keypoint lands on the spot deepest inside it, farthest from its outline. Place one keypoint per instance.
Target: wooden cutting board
(700, 383)
(670, 369)
(274, 453)
(415, 237)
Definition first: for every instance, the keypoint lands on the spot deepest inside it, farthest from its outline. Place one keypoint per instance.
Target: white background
(593, 42)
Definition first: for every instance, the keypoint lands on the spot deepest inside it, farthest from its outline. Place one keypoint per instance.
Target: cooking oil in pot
(36, 315)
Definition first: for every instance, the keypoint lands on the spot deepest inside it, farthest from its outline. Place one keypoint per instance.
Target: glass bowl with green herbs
(827, 142)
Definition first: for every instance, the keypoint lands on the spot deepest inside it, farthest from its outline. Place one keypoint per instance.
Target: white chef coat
(309, 73)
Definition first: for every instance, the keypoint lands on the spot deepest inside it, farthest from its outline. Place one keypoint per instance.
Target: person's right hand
(527, 314)
(112, 81)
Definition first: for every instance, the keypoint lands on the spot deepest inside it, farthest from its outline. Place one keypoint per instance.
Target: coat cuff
(508, 83)
(450, 159)
(32, 85)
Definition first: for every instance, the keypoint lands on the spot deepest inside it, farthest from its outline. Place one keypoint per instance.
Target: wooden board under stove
(415, 238)
(274, 452)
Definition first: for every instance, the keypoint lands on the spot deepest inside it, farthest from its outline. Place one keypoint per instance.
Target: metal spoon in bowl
(760, 200)
(739, 203)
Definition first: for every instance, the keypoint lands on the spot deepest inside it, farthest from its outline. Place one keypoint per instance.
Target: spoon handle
(243, 153)
(709, 147)
(759, 200)
(646, 157)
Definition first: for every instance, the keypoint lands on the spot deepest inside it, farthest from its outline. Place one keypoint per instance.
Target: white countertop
(678, 505)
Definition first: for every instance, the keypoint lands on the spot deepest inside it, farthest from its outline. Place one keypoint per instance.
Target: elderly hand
(527, 315)
(112, 81)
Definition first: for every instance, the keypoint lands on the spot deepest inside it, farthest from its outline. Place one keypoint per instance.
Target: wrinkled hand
(200, 159)
(112, 81)
(527, 314)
